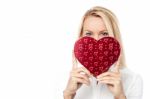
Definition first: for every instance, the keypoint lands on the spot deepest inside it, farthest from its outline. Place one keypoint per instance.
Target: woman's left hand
(113, 81)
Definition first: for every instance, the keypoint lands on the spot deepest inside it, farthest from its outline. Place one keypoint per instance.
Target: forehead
(94, 23)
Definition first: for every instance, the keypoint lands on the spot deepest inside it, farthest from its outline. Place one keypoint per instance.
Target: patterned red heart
(97, 55)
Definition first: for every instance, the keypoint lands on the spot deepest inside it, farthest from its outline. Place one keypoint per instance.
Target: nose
(96, 37)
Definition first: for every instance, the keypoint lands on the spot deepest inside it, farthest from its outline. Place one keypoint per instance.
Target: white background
(37, 37)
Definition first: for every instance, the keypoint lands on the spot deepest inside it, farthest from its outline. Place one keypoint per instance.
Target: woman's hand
(113, 82)
(78, 76)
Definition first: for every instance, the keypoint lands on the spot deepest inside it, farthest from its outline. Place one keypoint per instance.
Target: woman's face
(94, 27)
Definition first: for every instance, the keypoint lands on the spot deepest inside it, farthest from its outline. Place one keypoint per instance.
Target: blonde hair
(111, 24)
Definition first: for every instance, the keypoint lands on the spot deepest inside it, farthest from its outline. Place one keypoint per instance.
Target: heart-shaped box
(97, 55)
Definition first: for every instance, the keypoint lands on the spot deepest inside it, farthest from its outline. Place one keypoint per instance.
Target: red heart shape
(97, 55)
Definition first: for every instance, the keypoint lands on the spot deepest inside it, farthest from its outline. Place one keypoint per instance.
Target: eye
(105, 33)
(88, 33)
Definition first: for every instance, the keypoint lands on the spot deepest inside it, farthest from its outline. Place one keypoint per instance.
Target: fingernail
(98, 76)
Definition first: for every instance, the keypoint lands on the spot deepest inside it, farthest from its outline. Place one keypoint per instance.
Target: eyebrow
(100, 31)
(88, 30)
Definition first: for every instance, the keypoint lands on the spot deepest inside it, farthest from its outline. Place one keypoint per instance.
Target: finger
(107, 74)
(81, 76)
(116, 68)
(113, 82)
(108, 82)
(79, 80)
(107, 78)
(86, 71)
(83, 70)
(117, 65)
(74, 61)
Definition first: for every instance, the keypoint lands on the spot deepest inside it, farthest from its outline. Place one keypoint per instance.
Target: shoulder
(132, 82)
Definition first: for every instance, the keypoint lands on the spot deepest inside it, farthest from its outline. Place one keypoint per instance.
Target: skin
(94, 27)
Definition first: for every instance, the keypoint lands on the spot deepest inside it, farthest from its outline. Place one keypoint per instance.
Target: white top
(132, 84)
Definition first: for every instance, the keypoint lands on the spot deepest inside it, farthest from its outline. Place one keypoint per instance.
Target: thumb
(74, 61)
(117, 65)
(116, 69)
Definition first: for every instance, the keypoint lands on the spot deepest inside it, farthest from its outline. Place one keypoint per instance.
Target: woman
(117, 83)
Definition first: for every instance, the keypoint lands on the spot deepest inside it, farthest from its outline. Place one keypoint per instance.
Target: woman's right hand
(78, 76)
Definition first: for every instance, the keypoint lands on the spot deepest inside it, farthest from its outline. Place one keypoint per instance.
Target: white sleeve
(135, 91)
